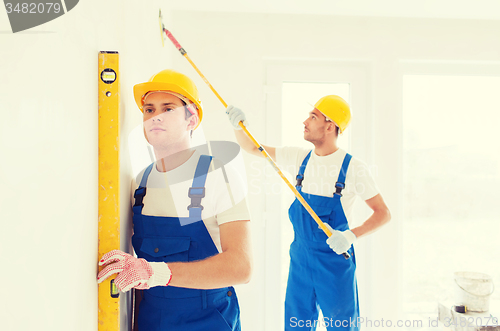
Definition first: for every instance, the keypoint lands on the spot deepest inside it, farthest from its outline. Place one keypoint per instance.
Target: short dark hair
(188, 114)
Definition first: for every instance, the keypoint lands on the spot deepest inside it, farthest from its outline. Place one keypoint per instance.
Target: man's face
(315, 126)
(164, 119)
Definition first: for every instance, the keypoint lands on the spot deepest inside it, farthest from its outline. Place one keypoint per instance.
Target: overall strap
(141, 191)
(197, 190)
(302, 169)
(340, 184)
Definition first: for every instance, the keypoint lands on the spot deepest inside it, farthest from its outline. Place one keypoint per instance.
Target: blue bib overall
(317, 275)
(181, 239)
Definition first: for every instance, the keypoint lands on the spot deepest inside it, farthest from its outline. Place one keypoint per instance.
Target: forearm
(228, 268)
(246, 143)
(374, 222)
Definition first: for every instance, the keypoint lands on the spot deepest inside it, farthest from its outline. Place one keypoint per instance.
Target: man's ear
(193, 122)
(330, 126)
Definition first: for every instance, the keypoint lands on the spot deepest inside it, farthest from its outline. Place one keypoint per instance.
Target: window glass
(451, 178)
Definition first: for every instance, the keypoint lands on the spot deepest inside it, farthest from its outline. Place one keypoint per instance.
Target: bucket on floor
(473, 290)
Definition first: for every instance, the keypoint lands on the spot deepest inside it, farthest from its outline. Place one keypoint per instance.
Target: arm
(231, 267)
(381, 215)
(246, 143)
(340, 241)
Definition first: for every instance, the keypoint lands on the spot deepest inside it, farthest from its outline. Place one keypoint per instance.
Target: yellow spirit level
(109, 183)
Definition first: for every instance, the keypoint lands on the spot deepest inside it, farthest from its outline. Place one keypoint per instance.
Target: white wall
(468, 9)
(232, 50)
(48, 168)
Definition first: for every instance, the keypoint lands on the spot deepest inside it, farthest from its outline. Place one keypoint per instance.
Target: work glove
(235, 116)
(340, 241)
(133, 272)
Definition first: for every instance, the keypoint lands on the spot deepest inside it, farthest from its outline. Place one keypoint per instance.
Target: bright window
(451, 181)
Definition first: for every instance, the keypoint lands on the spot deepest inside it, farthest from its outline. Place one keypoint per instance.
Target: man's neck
(324, 149)
(169, 159)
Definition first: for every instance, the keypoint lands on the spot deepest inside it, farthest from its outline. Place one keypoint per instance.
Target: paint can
(473, 290)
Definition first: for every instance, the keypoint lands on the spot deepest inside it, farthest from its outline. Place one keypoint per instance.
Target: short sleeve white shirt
(224, 201)
(322, 173)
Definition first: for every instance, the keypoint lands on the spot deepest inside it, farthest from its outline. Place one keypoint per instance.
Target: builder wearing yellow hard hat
(329, 179)
(191, 244)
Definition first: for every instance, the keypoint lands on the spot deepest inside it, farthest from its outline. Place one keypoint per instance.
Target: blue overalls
(181, 239)
(317, 275)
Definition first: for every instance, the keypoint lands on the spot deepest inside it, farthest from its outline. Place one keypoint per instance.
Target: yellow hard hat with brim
(335, 109)
(173, 81)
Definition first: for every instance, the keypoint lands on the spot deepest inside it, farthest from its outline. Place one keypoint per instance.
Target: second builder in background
(319, 274)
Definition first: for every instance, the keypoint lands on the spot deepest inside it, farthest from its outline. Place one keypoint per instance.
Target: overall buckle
(139, 196)
(196, 194)
(339, 187)
(299, 179)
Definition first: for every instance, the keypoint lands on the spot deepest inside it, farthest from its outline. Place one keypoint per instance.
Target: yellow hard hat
(336, 109)
(171, 81)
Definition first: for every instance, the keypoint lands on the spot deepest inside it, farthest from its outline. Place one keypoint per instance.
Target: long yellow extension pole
(109, 183)
(256, 143)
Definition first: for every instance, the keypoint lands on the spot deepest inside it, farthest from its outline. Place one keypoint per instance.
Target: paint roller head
(162, 28)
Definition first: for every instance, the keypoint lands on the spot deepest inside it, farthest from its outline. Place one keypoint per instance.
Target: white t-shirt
(322, 173)
(167, 194)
